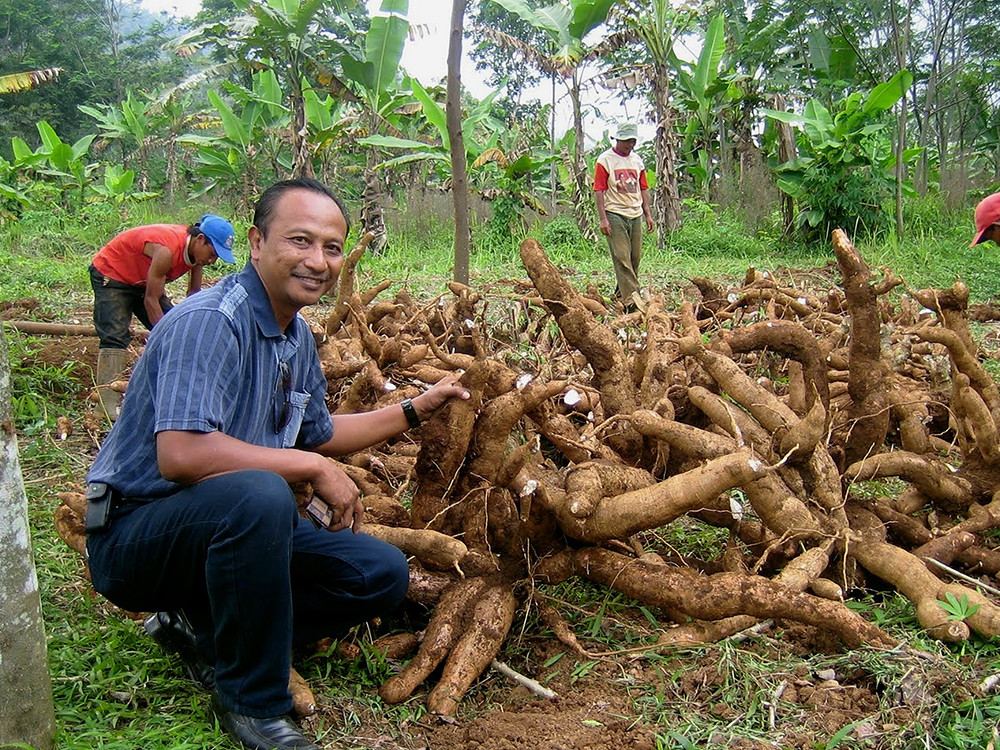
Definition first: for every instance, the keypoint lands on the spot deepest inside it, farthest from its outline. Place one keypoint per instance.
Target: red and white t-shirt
(622, 179)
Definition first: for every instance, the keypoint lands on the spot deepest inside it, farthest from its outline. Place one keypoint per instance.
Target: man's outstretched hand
(446, 388)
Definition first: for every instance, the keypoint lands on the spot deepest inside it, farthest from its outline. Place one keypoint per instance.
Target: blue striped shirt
(214, 363)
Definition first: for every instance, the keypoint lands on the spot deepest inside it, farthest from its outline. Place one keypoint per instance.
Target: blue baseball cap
(220, 234)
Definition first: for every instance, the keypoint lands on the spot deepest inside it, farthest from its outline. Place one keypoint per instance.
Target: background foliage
(254, 90)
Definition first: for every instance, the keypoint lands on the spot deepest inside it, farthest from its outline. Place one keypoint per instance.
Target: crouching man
(191, 515)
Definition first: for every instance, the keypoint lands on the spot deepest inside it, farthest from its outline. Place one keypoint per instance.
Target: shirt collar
(260, 303)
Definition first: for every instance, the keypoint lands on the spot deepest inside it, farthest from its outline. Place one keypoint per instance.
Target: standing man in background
(622, 196)
(988, 220)
(129, 276)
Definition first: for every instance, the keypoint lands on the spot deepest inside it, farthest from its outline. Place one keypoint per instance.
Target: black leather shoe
(174, 633)
(273, 733)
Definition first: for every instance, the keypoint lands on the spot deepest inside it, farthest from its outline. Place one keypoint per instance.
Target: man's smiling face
(300, 257)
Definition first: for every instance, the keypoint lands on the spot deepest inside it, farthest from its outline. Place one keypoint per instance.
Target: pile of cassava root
(761, 410)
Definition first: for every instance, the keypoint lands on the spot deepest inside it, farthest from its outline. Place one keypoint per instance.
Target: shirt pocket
(297, 403)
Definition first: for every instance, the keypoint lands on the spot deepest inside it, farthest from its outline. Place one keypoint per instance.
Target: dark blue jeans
(114, 305)
(231, 553)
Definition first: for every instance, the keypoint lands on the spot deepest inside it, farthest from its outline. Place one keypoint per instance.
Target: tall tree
(27, 714)
(453, 111)
(566, 23)
(658, 26)
(489, 27)
(288, 37)
(94, 55)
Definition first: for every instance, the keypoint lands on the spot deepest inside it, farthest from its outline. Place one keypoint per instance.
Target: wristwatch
(410, 412)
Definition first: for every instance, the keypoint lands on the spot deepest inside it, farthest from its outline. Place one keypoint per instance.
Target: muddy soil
(640, 703)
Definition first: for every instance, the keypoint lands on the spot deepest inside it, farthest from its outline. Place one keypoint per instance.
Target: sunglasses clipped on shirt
(282, 406)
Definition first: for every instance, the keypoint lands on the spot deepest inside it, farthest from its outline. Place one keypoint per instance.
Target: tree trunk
(939, 25)
(372, 218)
(553, 167)
(902, 39)
(453, 112)
(581, 191)
(302, 165)
(27, 714)
(787, 151)
(170, 187)
(113, 20)
(666, 196)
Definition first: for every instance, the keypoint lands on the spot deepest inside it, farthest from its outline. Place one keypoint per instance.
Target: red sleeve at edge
(600, 177)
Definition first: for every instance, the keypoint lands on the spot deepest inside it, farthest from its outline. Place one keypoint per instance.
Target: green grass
(922, 689)
(114, 690)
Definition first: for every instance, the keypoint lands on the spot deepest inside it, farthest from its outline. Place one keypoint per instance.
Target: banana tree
(66, 163)
(287, 37)
(133, 125)
(435, 150)
(501, 171)
(117, 185)
(249, 142)
(845, 173)
(566, 23)
(506, 180)
(658, 25)
(177, 117)
(370, 71)
(698, 85)
(330, 121)
(13, 197)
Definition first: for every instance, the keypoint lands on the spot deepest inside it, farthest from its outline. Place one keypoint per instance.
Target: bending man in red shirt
(622, 196)
(129, 276)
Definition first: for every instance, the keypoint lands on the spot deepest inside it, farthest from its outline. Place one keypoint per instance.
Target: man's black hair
(265, 205)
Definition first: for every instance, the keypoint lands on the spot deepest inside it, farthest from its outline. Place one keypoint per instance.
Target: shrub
(561, 232)
(707, 233)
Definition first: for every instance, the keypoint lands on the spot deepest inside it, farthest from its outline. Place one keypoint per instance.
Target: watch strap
(410, 412)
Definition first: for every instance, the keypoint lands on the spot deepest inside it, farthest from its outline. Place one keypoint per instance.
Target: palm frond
(13, 83)
(220, 70)
(539, 59)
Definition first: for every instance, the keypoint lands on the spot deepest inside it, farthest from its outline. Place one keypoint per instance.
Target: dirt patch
(592, 713)
(791, 687)
(59, 352)
(579, 721)
(75, 355)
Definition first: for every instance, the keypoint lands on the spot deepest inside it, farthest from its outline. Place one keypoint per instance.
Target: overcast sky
(425, 58)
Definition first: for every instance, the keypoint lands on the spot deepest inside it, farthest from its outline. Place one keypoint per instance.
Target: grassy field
(114, 689)
(46, 255)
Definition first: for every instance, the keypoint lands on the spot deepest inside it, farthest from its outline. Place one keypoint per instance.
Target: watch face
(320, 513)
